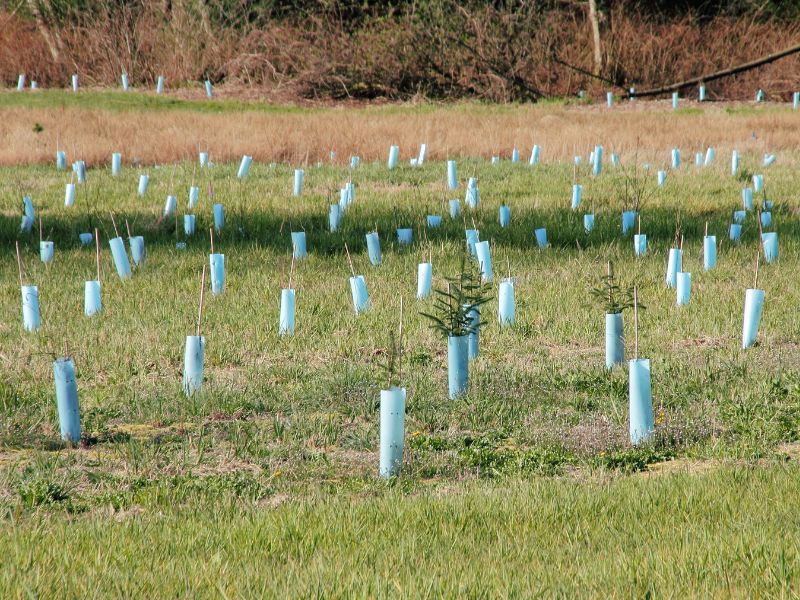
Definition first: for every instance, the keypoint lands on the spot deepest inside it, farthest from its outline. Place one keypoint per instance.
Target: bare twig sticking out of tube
(755, 277)
(400, 346)
(19, 263)
(97, 246)
(202, 297)
(114, 223)
(349, 260)
(636, 323)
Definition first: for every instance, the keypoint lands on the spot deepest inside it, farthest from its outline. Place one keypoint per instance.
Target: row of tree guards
(702, 96)
(456, 309)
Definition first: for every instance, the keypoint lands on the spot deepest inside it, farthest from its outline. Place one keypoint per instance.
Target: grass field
(266, 482)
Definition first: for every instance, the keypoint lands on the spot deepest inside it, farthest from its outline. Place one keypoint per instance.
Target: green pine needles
(611, 294)
(454, 305)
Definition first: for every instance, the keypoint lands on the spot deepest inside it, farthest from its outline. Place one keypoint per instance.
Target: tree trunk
(598, 55)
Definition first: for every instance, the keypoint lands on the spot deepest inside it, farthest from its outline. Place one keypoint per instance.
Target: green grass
(505, 491)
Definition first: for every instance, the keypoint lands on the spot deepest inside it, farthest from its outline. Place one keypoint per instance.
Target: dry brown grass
(449, 131)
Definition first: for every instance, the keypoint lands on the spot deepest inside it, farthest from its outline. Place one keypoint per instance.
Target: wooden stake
(128, 228)
(349, 260)
(40, 228)
(97, 246)
(291, 271)
(114, 223)
(639, 224)
(681, 244)
(211, 233)
(202, 297)
(706, 234)
(19, 263)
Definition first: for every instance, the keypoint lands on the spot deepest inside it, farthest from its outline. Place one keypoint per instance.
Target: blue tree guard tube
(61, 160)
(21, 82)
(676, 158)
(26, 224)
(202, 158)
(615, 159)
(758, 183)
(334, 216)
(662, 177)
(472, 240)
(515, 156)
(710, 155)
(739, 216)
(374, 248)
(766, 219)
(702, 93)
(79, 168)
(640, 244)
(47, 251)
(423, 151)
(505, 215)
(116, 164)
(136, 244)
(506, 305)
(495, 160)
(770, 242)
(144, 181)
(760, 95)
(434, 221)
(85, 238)
(394, 156)
(189, 224)
(473, 343)
(709, 252)
(69, 417)
(577, 190)
(160, 85)
(795, 100)
(769, 159)
(609, 99)
(244, 166)
(541, 237)
(452, 177)
(392, 431)
(734, 162)
(355, 161)
(405, 235)
(455, 208)
(735, 232)
(299, 250)
(472, 198)
(298, 182)
(170, 205)
(588, 222)
(286, 323)
(457, 365)
(628, 220)
(358, 289)
(641, 403)
(674, 263)
(683, 288)
(698, 159)
(217, 264)
(767, 204)
(31, 317)
(75, 83)
(194, 196)
(747, 198)
(209, 89)
(424, 278)
(124, 80)
(484, 257)
(193, 356)
(597, 161)
(674, 100)
(615, 340)
(91, 298)
(121, 262)
(753, 306)
(535, 152)
(219, 217)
